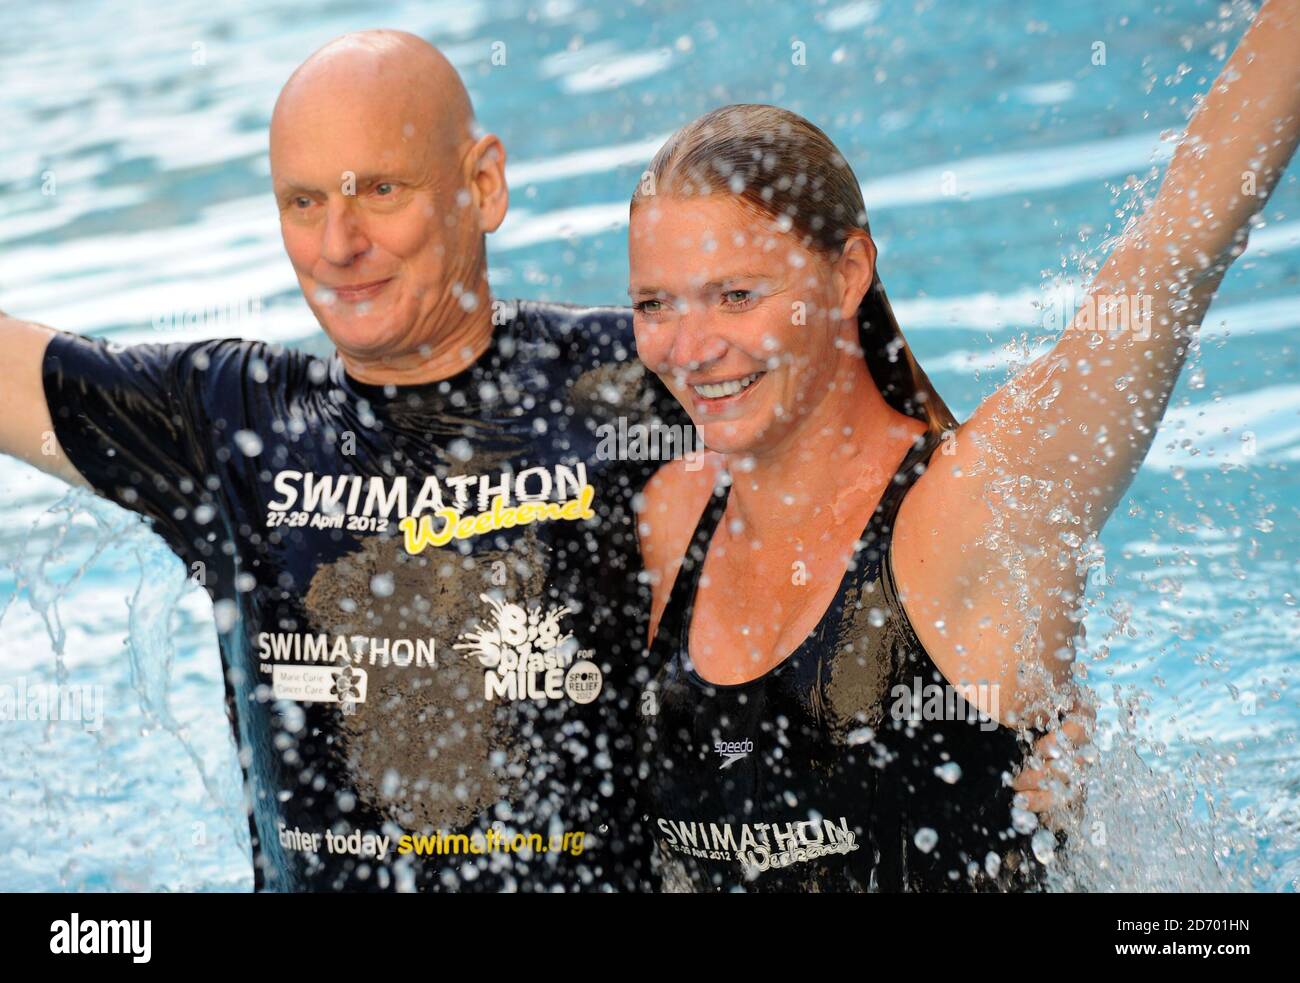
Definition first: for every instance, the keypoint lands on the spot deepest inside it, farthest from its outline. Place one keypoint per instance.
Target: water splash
(121, 827)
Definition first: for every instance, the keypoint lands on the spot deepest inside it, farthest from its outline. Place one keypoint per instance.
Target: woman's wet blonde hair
(780, 165)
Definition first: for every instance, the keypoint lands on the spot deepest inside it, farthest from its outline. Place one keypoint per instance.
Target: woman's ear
(854, 271)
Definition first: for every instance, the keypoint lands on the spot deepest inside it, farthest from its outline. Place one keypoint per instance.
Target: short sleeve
(133, 420)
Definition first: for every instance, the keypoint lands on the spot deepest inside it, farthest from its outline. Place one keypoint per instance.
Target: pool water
(993, 149)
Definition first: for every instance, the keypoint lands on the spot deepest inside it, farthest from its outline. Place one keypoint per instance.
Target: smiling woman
(825, 559)
(775, 615)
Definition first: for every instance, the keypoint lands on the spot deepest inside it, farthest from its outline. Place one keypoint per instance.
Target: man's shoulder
(598, 350)
(270, 363)
(234, 382)
(251, 351)
(174, 369)
(601, 333)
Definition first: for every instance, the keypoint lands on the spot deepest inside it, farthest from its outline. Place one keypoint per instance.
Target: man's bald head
(373, 69)
(386, 194)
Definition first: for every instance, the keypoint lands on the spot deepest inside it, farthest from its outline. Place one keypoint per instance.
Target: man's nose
(696, 343)
(344, 239)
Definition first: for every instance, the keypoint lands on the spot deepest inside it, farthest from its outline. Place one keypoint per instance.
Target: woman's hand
(1052, 782)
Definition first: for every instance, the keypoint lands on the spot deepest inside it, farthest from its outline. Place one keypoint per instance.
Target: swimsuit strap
(877, 531)
(677, 612)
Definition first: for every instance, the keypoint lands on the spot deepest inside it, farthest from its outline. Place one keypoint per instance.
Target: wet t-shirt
(426, 596)
(851, 766)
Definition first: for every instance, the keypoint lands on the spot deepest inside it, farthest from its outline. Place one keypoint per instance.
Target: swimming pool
(992, 147)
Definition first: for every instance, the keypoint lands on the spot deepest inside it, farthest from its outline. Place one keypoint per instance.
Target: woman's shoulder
(669, 510)
(672, 502)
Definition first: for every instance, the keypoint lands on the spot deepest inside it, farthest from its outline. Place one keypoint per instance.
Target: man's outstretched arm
(26, 430)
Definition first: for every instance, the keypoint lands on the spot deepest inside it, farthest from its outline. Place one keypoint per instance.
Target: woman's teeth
(717, 390)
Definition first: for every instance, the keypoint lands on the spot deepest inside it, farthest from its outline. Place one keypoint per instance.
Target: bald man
(423, 565)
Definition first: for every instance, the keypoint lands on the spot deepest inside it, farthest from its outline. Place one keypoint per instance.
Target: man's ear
(854, 271)
(486, 164)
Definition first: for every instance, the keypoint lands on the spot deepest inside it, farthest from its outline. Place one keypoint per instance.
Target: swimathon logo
(429, 511)
(526, 655)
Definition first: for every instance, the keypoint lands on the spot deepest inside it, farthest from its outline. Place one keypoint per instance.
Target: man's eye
(302, 201)
(383, 188)
(737, 297)
(648, 306)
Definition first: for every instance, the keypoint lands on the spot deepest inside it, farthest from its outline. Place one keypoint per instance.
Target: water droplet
(1044, 844)
(950, 773)
(381, 585)
(862, 735)
(391, 783)
(1023, 821)
(292, 717)
(249, 443)
(926, 839)
(992, 864)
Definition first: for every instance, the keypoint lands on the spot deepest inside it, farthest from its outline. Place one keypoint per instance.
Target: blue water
(135, 193)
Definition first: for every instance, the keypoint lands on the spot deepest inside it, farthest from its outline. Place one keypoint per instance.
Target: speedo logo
(732, 751)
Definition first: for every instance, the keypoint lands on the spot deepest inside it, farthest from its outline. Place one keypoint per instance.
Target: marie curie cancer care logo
(527, 656)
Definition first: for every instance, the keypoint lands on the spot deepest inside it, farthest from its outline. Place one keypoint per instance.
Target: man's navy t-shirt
(427, 597)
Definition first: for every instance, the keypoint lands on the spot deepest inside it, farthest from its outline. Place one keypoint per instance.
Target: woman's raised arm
(987, 543)
(1087, 412)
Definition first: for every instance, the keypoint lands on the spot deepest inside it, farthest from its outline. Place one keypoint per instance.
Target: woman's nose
(696, 344)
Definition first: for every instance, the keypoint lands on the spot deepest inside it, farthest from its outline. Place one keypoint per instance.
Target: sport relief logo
(526, 656)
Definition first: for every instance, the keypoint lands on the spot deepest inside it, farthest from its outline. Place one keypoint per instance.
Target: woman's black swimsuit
(850, 766)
